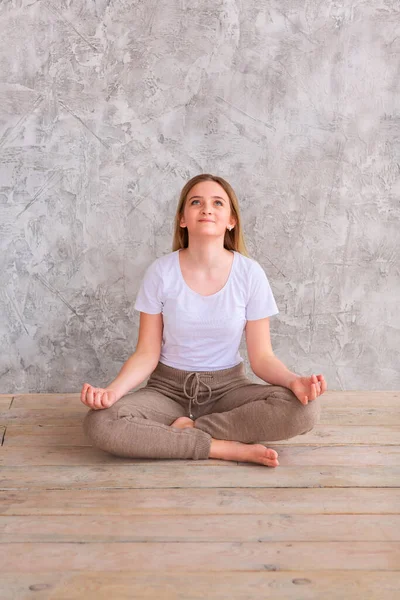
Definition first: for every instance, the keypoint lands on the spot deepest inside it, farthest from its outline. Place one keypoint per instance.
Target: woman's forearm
(273, 371)
(136, 369)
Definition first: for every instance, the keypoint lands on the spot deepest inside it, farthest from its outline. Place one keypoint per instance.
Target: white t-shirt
(203, 333)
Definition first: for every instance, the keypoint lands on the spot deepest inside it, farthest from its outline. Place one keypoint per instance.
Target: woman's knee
(305, 416)
(97, 426)
(311, 415)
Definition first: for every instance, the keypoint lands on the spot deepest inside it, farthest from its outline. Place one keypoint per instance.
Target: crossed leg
(230, 450)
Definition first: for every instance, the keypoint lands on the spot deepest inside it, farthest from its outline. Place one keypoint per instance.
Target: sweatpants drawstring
(195, 390)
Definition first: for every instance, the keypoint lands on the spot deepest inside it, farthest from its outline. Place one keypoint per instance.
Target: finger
(83, 392)
(317, 386)
(104, 400)
(97, 397)
(313, 379)
(321, 381)
(324, 385)
(89, 396)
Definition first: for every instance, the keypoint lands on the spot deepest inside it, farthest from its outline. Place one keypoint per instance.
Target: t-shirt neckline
(196, 293)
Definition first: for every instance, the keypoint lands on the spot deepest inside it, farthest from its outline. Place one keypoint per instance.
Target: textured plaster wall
(108, 107)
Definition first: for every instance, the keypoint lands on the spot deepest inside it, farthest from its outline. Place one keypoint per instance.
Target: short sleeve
(149, 298)
(261, 302)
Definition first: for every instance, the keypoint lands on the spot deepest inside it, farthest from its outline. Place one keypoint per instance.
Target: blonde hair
(233, 240)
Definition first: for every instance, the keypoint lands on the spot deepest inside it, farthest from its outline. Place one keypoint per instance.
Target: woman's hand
(97, 398)
(306, 389)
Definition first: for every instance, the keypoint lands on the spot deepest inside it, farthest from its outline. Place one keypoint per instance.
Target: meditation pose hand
(306, 389)
(97, 398)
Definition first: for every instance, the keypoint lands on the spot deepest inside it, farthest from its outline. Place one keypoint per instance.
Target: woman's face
(207, 210)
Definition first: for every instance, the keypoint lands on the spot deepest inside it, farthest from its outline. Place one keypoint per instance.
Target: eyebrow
(219, 197)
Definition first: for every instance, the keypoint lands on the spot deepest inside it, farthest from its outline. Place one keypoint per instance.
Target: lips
(205, 221)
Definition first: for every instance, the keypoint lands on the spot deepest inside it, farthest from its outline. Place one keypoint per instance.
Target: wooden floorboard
(77, 522)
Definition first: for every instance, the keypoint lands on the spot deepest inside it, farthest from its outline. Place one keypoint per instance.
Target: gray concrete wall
(108, 107)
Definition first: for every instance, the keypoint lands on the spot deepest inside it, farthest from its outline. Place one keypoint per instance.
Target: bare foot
(229, 450)
(182, 423)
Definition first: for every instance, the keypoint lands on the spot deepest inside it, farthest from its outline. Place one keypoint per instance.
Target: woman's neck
(206, 258)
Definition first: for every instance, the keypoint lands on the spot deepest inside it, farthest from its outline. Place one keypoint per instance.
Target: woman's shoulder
(248, 264)
(162, 264)
(163, 259)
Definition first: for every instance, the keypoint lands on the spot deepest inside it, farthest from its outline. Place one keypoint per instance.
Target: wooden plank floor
(76, 522)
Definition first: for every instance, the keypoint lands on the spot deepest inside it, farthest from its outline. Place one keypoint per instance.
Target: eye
(220, 201)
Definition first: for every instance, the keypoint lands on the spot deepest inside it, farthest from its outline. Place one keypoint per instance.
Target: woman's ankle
(225, 449)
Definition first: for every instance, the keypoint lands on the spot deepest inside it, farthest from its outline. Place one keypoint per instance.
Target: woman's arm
(136, 369)
(272, 370)
(262, 359)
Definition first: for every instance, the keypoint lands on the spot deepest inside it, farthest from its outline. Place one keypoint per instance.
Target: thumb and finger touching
(96, 398)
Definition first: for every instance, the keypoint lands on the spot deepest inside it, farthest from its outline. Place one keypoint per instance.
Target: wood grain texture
(74, 519)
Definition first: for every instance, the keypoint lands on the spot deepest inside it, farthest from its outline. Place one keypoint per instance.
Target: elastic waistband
(179, 376)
